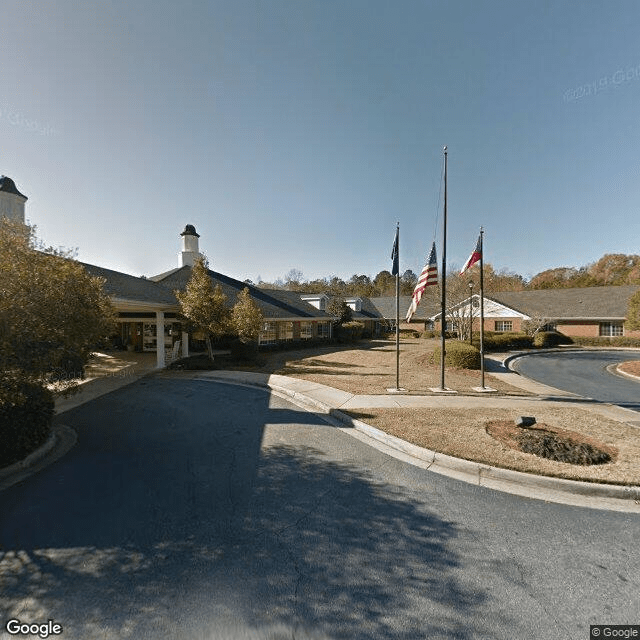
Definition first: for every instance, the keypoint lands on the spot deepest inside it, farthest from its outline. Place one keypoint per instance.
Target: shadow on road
(170, 519)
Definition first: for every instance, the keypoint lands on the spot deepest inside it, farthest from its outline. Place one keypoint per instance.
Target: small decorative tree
(203, 306)
(246, 317)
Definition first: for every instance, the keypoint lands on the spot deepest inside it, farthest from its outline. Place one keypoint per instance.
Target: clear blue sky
(294, 134)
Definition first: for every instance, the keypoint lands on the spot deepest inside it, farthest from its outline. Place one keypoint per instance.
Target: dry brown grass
(462, 433)
(631, 366)
(370, 368)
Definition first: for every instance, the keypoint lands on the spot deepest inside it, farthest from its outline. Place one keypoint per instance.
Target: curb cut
(506, 480)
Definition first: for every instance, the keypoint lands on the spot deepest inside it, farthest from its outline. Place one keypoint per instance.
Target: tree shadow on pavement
(192, 528)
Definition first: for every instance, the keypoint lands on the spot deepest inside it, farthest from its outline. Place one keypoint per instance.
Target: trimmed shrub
(461, 355)
(547, 339)
(503, 341)
(244, 350)
(349, 331)
(26, 411)
(430, 333)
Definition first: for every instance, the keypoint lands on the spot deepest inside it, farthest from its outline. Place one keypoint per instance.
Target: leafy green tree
(246, 317)
(633, 312)
(408, 281)
(385, 284)
(203, 306)
(52, 312)
(338, 308)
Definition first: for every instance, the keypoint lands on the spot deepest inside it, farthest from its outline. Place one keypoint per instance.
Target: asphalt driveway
(585, 373)
(192, 509)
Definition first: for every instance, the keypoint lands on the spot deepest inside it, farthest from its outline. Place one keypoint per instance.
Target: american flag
(428, 277)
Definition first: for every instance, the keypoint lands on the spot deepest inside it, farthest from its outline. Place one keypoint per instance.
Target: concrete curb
(62, 439)
(620, 372)
(472, 472)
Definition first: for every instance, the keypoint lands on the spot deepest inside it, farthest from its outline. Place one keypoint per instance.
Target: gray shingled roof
(588, 303)
(386, 307)
(131, 288)
(274, 303)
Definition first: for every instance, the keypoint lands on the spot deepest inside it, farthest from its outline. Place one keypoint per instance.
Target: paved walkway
(125, 368)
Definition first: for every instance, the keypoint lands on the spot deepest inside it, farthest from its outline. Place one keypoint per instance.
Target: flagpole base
(398, 390)
(484, 389)
(442, 390)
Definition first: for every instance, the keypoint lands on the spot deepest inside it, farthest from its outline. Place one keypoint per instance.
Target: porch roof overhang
(122, 304)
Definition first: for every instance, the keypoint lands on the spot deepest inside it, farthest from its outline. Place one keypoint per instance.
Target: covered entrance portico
(148, 329)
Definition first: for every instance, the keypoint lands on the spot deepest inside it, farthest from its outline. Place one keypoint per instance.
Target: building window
(269, 333)
(504, 325)
(306, 331)
(611, 329)
(323, 329)
(285, 331)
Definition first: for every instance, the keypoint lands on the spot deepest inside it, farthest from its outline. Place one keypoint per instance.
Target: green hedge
(349, 331)
(547, 339)
(247, 351)
(26, 411)
(503, 341)
(618, 341)
(436, 334)
(461, 355)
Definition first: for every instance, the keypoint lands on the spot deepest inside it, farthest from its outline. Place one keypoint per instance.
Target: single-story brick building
(588, 311)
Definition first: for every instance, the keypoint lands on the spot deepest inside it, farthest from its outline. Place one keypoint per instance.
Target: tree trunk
(209, 347)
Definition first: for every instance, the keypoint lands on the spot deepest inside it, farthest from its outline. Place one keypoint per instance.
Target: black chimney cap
(9, 186)
(190, 230)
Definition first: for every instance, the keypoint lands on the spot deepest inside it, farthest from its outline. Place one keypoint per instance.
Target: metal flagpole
(398, 308)
(444, 278)
(482, 307)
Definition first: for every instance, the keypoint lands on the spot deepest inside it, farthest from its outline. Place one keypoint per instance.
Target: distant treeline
(611, 269)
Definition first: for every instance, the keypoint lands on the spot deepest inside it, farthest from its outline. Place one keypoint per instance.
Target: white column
(160, 339)
(185, 344)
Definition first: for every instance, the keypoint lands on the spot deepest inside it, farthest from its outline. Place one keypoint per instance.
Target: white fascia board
(492, 309)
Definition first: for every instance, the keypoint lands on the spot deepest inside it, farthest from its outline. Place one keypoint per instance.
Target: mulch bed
(552, 443)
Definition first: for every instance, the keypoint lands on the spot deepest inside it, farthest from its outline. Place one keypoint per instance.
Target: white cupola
(190, 251)
(11, 200)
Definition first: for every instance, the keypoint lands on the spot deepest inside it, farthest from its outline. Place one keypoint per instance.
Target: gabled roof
(123, 286)
(586, 303)
(274, 303)
(580, 303)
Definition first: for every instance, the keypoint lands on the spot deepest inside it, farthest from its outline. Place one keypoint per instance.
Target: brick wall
(590, 329)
